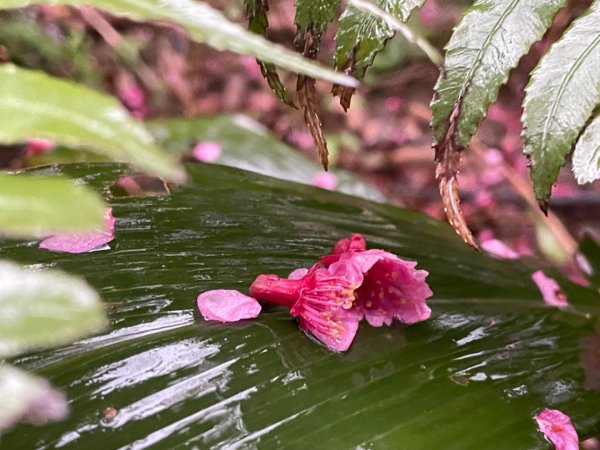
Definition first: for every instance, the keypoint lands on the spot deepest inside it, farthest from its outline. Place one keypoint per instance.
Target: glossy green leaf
(35, 105)
(42, 309)
(361, 35)
(563, 91)
(248, 145)
(31, 206)
(29, 398)
(204, 24)
(488, 42)
(492, 355)
(586, 157)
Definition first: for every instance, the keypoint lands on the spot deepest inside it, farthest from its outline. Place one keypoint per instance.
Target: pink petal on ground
(558, 429)
(207, 151)
(499, 249)
(35, 146)
(325, 180)
(551, 291)
(82, 242)
(227, 305)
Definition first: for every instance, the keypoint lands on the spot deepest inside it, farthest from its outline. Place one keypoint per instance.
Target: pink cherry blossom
(321, 302)
(558, 429)
(551, 291)
(82, 242)
(325, 180)
(330, 299)
(499, 249)
(227, 305)
(207, 151)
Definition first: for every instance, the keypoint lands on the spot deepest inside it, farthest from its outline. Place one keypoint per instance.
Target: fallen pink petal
(558, 429)
(499, 249)
(82, 242)
(36, 147)
(551, 291)
(207, 151)
(325, 180)
(227, 305)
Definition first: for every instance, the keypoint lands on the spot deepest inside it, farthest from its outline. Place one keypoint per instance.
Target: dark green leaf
(586, 157)
(560, 98)
(31, 206)
(35, 105)
(590, 250)
(361, 36)
(42, 309)
(256, 12)
(250, 146)
(488, 42)
(472, 377)
(205, 24)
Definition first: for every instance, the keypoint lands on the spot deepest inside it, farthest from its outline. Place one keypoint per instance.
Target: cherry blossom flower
(207, 151)
(551, 291)
(558, 429)
(330, 299)
(227, 305)
(82, 242)
(320, 300)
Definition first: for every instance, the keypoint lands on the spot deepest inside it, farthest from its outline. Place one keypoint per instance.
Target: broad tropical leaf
(312, 19)
(31, 206)
(256, 12)
(35, 105)
(492, 356)
(361, 36)
(204, 24)
(248, 145)
(42, 309)
(29, 398)
(560, 98)
(487, 43)
(586, 157)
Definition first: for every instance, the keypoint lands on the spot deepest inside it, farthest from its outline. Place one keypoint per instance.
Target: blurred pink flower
(325, 180)
(551, 291)
(82, 242)
(207, 151)
(132, 95)
(496, 247)
(558, 429)
(35, 147)
(227, 305)
(251, 67)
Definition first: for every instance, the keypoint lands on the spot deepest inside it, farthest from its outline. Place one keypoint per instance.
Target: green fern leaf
(586, 157)
(560, 99)
(204, 24)
(361, 36)
(256, 12)
(487, 43)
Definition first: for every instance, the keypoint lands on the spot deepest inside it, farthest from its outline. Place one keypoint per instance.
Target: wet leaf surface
(492, 356)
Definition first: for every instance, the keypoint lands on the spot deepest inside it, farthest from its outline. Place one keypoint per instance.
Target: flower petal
(355, 243)
(82, 242)
(393, 288)
(551, 291)
(227, 305)
(558, 429)
(296, 274)
(207, 151)
(499, 249)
